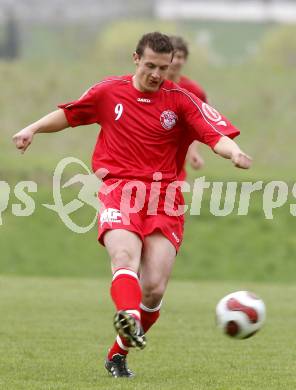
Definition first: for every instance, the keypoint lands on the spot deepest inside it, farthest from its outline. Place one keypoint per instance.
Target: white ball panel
(224, 315)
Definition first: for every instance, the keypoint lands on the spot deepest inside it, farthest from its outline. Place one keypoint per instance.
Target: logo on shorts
(168, 119)
(110, 216)
(176, 237)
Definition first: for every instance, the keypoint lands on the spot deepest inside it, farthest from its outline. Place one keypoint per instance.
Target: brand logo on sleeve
(168, 119)
(213, 114)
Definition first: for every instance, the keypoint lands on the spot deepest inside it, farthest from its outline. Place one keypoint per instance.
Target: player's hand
(241, 160)
(193, 156)
(195, 160)
(23, 139)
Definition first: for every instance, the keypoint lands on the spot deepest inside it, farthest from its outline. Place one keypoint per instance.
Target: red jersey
(141, 132)
(197, 90)
(193, 87)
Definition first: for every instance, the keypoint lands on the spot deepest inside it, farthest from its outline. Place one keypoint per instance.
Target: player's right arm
(84, 111)
(53, 122)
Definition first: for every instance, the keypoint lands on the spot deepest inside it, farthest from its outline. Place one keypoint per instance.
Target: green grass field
(54, 334)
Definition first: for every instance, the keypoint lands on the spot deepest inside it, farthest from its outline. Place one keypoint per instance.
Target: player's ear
(136, 58)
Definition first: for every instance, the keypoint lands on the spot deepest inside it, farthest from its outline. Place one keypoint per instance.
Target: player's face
(152, 69)
(178, 62)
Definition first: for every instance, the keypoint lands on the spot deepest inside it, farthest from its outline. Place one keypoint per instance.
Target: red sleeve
(205, 123)
(198, 91)
(87, 109)
(194, 88)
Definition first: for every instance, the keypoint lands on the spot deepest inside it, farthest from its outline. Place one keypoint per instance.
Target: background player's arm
(227, 148)
(193, 156)
(53, 122)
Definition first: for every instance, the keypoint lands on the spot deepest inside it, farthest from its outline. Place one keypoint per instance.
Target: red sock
(126, 294)
(126, 291)
(118, 347)
(149, 316)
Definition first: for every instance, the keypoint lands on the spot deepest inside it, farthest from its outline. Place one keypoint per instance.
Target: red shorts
(142, 208)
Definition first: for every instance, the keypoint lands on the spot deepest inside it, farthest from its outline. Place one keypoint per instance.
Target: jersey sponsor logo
(168, 119)
(110, 216)
(143, 100)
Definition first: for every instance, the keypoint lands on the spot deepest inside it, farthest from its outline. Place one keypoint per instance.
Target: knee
(123, 258)
(152, 295)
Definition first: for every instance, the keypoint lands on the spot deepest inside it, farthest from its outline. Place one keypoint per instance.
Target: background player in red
(143, 117)
(180, 58)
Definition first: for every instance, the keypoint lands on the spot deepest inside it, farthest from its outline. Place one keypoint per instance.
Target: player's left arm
(213, 129)
(227, 148)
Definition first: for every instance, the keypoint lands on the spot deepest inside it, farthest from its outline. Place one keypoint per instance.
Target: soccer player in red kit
(143, 119)
(186, 151)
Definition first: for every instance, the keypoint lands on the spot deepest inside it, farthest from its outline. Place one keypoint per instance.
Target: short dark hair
(158, 42)
(179, 44)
